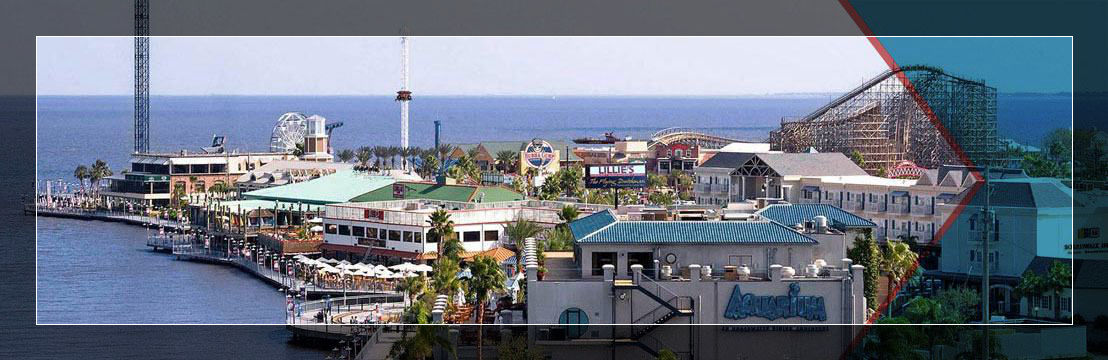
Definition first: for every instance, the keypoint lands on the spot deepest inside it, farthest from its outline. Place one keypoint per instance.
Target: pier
(195, 252)
(102, 215)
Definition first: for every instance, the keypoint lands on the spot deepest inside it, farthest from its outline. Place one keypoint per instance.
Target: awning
(898, 193)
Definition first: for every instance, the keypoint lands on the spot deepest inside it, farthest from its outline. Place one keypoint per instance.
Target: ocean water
(78, 130)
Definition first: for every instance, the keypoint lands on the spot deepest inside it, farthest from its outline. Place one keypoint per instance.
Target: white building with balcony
(397, 230)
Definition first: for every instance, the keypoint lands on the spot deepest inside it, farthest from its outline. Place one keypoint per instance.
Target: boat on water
(607, 139)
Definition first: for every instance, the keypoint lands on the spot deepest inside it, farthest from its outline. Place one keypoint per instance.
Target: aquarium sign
(538, 154)
(773, 307)
(615, 176)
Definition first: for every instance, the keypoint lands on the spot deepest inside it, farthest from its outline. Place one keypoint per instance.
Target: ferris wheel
(288, 132)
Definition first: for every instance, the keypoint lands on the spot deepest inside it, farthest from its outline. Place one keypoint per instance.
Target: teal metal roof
(791, 214)
(589, 224)
(696, 232)
(335, 188)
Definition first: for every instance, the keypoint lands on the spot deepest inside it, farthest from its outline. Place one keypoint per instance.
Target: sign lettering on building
(374, 214)
(615, 176)
(772, 307)
(398, 190)
(538, 154)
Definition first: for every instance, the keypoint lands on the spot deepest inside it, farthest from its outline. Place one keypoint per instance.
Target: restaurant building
(152, 177)
(651, 273)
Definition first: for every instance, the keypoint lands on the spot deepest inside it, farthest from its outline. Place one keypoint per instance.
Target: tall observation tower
(142, 76)
(404, 95)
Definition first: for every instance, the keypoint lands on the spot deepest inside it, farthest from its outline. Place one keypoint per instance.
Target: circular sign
(538, 154)
(671, 258)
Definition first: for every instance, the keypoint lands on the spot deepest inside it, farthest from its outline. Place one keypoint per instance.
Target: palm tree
(345, 155)
(518, 232)
(363, 155)
(393, 152)
(1057, 279)
(81, 173)
(898, 261)
(414, 286)
(428, 165)
(442, 229)
(568, 214)
(379, 153)
(506, 160)
(682, 181)
(487, 278)
(99, 171)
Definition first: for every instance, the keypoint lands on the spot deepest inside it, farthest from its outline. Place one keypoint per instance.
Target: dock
(109, 216)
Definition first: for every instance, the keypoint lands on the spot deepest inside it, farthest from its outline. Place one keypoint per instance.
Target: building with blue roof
(602, 238)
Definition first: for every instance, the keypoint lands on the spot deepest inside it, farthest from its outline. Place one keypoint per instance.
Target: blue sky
(1022, 64)
(687, 66)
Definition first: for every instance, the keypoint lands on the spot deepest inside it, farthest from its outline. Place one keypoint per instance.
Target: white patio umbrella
(422, 268)
(403, 267)
(344, 262)
(380, 268)
(316, 228)
(316, 220)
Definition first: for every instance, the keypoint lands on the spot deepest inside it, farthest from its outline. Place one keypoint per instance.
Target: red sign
(374, 214)
(398, 190)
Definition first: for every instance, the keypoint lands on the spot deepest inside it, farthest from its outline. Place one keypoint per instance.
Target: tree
(364, 154)
(655, 181)
(663, 198)
(897, 262)
(1058, 145)
(516, 348)
(413, 286)
(428, 165)
(857, 158)
(487, 278)
(865, 252)
(81, 173)
(1030, 286)
(98, 171)
(559, 239)
(962, 301)
(442, 230)
(890, 342)
(299, 150)
(682, 181)
(568, 214)
(506, 160)
(1057, 279)
(345, 155)
(928, 311)
(421, 344)
(518, 232)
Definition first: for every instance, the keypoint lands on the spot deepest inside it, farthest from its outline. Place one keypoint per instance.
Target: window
(198, 186)
(409, 237)
(432, 239)
(807, 194)
(972, 255)
(576, 319)
(893, 201)
(371, 233)
(492, 235)
(471, 236)
(358, 231)
(418, 237)
(344, 229)
(331, 228)
(218, 168)
(599, 259)
(848, 196)
(394, 235)
(1064, 303)
(180, 169)
(917, 199)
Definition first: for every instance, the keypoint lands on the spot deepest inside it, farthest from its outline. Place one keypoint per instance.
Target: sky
(583, 66)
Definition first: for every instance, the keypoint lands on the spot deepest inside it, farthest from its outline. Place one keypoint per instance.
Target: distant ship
(608, 139)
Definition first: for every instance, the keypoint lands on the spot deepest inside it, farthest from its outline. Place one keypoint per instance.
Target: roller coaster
(675, 135)
(887, 121)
